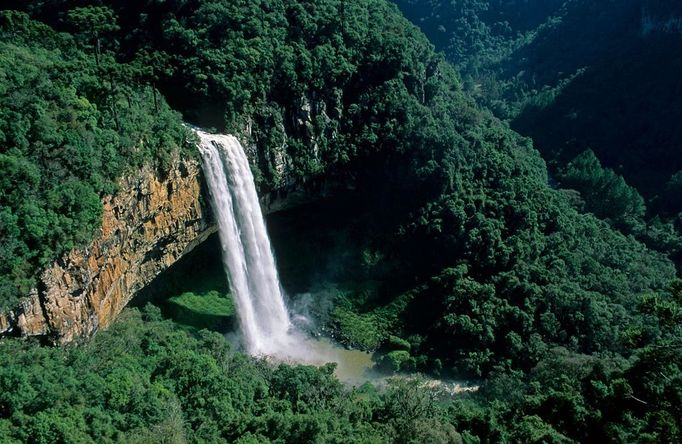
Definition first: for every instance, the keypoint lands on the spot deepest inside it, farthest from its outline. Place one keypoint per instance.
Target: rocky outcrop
(267, 135)
(27, 318)
(150, 223)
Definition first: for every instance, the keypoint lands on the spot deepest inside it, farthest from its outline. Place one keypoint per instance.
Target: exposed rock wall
(151, 222)
(267, 135)
(157, 218)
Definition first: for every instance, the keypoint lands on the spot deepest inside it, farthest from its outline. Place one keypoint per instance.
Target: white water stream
(250, 266)
(247, 255)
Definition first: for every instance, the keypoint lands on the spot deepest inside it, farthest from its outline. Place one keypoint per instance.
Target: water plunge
(246, 250)
(249, 263)
(248, 260)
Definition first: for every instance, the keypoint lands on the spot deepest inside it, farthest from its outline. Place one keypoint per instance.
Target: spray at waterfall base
(265, 324)
(266, 327)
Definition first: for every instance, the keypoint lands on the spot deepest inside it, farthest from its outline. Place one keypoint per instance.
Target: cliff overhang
(155, 218)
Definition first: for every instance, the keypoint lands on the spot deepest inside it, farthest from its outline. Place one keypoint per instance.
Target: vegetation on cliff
(70, 126)
(479, 267)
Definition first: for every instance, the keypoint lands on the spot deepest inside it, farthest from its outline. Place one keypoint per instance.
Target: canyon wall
(157, 217)
(153, 220)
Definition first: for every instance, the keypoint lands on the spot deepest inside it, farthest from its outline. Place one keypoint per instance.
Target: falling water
(265, 324)
(250, 265)
(247, 255)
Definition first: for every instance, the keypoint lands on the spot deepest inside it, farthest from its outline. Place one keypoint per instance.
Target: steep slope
(70, 127)
(589, 75)
(147, 225)
(617, 97)
(475, 34)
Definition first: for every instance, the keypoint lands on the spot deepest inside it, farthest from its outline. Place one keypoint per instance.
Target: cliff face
(146, 226)
(155, 219)
(266, 141)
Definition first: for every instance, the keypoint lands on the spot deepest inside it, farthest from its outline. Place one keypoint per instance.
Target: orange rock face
(146, 226)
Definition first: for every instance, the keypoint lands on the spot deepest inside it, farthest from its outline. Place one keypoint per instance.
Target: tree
(605, 193)
(94, 23)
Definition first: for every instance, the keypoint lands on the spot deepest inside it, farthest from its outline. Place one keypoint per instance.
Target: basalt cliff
(154, 219)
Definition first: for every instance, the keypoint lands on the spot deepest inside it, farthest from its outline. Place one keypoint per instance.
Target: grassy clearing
(212, 310)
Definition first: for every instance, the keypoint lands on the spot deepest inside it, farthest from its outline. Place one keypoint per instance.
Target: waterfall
(249, 263)
(247, 255)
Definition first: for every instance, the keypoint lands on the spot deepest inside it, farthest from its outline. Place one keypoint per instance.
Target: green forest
(515, 221)
(578, 76)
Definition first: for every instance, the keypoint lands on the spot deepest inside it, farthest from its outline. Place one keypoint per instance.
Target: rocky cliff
(156, 218)
(151, 222)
